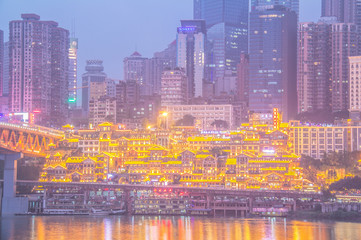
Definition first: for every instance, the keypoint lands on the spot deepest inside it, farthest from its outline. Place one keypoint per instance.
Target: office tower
(227, 31)
(93, 83)
(38, 62)
(314, 65)
(73, 72)
(273, 61)
(355, 87)
(191, 40)
(6, 70)
(134, 70)
(294, 5)
(174, 87)
(243, 78)
(344, 39)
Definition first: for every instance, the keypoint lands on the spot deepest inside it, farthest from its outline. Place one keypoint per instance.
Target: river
(157, 228)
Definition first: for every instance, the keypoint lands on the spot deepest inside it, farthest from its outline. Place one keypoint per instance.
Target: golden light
(164, 114)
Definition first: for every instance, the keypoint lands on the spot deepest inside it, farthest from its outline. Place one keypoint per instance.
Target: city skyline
(124, 42)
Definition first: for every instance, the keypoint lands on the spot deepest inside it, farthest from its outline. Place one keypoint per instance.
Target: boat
(117, 211)
(99, 212)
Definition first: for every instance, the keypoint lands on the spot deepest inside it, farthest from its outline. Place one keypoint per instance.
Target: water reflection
(184, 228)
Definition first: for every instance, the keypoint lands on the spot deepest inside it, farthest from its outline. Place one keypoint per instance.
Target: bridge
(17, 141)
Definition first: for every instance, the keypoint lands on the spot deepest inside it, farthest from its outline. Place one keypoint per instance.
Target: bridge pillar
(10, 203)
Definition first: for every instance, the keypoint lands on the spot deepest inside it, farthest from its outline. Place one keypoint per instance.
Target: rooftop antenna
(73, 28)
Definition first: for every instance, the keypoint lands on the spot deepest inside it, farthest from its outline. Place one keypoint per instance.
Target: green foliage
(346, 184)
(220, 124)
(187, 120)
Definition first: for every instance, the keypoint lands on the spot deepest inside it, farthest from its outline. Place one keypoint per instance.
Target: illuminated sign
(187, 29)
(276, 119)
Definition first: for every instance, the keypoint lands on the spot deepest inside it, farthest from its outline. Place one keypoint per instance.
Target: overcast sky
(112, 29)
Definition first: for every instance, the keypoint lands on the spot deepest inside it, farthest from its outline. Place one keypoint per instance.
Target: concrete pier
(10, 203)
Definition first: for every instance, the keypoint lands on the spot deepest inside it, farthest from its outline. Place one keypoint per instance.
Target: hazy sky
(112, 29)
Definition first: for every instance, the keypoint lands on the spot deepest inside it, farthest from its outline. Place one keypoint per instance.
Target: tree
(187, 120)
(220, 124)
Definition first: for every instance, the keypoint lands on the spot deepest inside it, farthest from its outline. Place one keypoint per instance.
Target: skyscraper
(346, 11)
(355, 87)
(344, 39)
(243, 78)
(6, 77)
(191, 41)
(93, 83)
(273, 61)
(227, 30)
(39, 69)
(73, 72)
(294, 5)
(314, 65)
(1, 62)
(134, 70)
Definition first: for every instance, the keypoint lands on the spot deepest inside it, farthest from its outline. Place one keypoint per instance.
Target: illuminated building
(273, 60)
(73, 72)
(204, 115)
(191, 41)
(174, 87)
(355, 87)
(93, 83)
(314, 63)
(39, 70)
(316, 141)
(6, 70)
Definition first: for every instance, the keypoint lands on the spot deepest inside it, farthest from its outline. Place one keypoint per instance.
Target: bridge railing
(35, 128)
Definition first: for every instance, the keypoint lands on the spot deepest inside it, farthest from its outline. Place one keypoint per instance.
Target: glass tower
(294, 5)
(273, 60)
(227, 32)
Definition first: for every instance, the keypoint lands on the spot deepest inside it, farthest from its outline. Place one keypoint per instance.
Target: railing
(34, 128)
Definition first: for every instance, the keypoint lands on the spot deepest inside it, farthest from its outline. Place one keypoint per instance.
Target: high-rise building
(346, 11)
(243, 78)
(344, 39)
(38, 62)
(1, 62)
(294, 5)
(160, 62)
(355, 86)
(314, 66)
(191, 41)
(6, 70)
(73, 72)
(102, 110)
(227, 31)
(93, 83)
(273, 60)
(134, 70)
(174, 87)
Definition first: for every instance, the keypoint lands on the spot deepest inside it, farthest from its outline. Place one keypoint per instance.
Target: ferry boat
(99, 212)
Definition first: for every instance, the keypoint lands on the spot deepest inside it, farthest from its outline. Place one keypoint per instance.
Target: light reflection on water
(184, 228)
